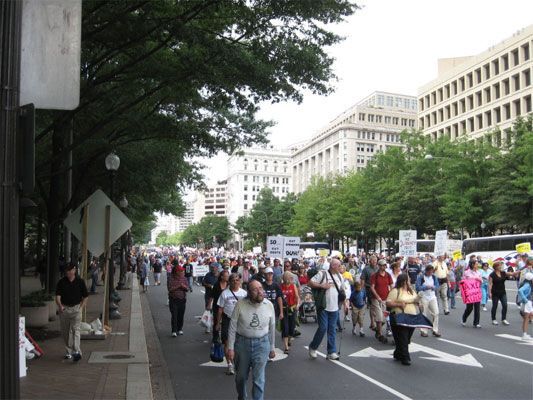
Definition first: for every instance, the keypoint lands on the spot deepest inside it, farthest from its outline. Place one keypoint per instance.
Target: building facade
(474, 95)
(352, 139)
(252, 170)
(213, 201)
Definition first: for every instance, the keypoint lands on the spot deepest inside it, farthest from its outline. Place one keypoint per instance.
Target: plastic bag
(206, 320)
(96, 325)
(146, 282)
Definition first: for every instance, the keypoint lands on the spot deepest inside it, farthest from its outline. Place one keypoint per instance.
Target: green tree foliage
(460, 185)
(211, 230)
(270, 216)
(164, 239)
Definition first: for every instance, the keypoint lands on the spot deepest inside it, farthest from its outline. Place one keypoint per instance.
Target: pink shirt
(471, 274)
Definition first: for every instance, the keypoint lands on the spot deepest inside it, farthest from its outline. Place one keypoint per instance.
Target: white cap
(269, 270)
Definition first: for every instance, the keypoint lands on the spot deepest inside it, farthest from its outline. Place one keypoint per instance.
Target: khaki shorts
(376, 310)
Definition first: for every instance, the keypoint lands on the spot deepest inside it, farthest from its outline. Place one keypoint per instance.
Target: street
(466, 363)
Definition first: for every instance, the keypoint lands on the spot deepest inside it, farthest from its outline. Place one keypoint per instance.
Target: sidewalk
(114, 368)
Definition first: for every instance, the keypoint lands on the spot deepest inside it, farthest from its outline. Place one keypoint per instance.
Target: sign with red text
(470, 291)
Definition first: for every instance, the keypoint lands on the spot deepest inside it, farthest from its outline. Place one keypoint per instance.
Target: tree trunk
(54, 209)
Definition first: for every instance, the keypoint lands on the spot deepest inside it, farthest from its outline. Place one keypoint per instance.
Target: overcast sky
(392, 46)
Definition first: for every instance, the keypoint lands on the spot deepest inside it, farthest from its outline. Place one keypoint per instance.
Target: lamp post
(112, 163)
(483, 226)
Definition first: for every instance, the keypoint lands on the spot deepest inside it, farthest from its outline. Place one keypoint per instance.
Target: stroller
(307, 308)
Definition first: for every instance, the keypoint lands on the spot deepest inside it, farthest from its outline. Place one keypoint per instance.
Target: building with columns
(352, 139)
(474, 95)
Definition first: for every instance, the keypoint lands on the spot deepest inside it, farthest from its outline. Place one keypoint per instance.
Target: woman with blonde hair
(291, 300)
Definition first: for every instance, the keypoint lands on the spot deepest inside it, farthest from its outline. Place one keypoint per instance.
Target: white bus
(496, 247)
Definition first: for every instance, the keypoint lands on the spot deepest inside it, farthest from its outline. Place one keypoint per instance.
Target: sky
(391, 46)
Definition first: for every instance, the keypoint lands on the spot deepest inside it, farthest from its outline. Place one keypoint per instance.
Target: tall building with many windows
(213, 201)
(252, 170)
(473, 95)
(352, 139)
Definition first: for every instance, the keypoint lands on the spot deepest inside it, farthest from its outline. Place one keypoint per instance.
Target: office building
(474, 95)
(212, 201)
(352, 139)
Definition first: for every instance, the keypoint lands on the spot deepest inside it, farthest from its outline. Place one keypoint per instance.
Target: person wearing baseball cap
(273, 292)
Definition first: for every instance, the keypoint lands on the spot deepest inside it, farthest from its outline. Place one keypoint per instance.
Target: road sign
(408, 243)
(441, 242)
(466, 360)
(291, 247)
(98, 202)
(275, 246)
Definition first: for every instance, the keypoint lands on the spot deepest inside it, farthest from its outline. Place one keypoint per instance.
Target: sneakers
(423, 334)
(494, 322)
(180, 333)
(389, 332)
(477, 326)
(437, 334)
(361, 333)
(525, 336)
(333, 356)
(505, 322)
(463, 323)
(174, 334)
(312, 353)
(485, 308)
(354, 331)
(76, 357)
(446, 312)
(231, 369)
(67, 356)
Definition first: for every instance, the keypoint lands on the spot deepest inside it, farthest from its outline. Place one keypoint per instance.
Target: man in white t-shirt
(331, 282)
(226, 303)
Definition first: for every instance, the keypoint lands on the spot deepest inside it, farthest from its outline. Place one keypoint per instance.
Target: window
(470, 101)
(361, 116)
(487, 95)
(515, 57)
(486, 69)
(497, 115)
(488, 118)
(433, 98)
(526, 77)
(506, 111)
(496, 66)
(245, 187)
(469, 80)
(525, 52)
(447, 91)
(462, 84)
(245, 197)
(479, 121)
(479, 100)
(516, 107)
(440, 94)
(370, 117)
(496, 90)
(454, 88)
(527, 103)
(462, 105)
(478, 75)
(505, 62)
(506, 87)
(245, 178)
(246, 206)
(388, 120)
(516, 82)
(395, 120)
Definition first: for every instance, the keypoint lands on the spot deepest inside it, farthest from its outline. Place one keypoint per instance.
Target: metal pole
(10, 23)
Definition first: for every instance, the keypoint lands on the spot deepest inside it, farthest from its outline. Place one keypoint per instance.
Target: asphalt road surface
(466, 363)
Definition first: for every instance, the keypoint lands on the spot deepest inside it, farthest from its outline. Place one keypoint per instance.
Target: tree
(179, 77)
(211, 230)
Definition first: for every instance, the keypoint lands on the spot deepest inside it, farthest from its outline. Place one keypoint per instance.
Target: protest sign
(470, 291)
(441, 242)
(291, 247)
(407, 243)
(523, 248)
(275, 246)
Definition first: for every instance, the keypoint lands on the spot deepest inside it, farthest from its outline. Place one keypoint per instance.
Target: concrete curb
(139, 385)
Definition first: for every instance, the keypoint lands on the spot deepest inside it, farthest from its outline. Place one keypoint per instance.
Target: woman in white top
(226, 303)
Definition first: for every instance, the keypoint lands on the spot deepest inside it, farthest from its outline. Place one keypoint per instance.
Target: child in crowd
(358, 301)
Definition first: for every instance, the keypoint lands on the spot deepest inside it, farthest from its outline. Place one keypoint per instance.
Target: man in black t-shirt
(71, 297)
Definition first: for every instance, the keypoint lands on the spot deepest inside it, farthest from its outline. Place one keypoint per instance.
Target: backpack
(319, 295)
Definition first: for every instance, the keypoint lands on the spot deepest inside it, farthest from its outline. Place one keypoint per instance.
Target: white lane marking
(366, 377)
(487, 351)
(517, 338)
(467, 359)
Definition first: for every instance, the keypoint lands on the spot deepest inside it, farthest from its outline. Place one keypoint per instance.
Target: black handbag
(342, 293)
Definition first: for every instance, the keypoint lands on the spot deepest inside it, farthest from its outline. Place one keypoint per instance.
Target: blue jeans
(451, 295)
(484, 293)
(327, 321)
(251, 353)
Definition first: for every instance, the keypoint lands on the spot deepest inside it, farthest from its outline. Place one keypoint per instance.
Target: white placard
(22, 347)
(353, 250)
(199, 270)
(257, 250)
(441, 242)
(50, 54)
(407, 243)
(310, 253)
(275, 246)
(291, 247)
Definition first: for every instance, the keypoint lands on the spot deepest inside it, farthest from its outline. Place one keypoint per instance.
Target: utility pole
(10, 42)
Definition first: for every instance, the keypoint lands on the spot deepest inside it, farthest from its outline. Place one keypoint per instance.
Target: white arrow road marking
(371, 352)
(366, 377)
(517, 338)
(280, 355)
(467, 359)
(487, 351)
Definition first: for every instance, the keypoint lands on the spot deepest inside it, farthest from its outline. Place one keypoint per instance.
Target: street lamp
(112, 163)
(483, 226)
